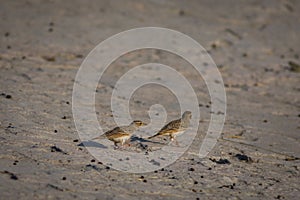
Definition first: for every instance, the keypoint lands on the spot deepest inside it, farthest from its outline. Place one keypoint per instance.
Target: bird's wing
(114, 131)
(173, 125)
(109, 133)
(118, 135)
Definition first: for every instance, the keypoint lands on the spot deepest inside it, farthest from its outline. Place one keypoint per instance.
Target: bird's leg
(126, 142)
(176, 142)
(123, 144)
(116, 145)
(172, 138)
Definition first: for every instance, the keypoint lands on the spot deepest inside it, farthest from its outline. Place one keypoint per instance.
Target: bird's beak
(144, 124)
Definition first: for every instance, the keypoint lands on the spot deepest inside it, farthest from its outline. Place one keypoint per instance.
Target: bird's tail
(99, 137)
(153, 136)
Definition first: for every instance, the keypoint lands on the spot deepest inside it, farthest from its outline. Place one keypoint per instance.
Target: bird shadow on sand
(144, 145)
(143, 140)
(92, 144)
(135, 141)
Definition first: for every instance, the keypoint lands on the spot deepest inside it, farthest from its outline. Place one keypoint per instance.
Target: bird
(121, 134)
(175, 127)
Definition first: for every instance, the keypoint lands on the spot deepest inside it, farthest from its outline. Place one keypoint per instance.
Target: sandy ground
(255, 45)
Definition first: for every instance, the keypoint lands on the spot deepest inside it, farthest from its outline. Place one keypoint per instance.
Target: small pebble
(56, 149)
(79, 56)
(12, 175)
(221, 161)
(214, 46)
(181, 12)
(49, 58)
(191, 169)
(294, 67)
(243, 157)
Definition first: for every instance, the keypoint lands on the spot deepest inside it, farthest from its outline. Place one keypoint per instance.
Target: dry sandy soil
(255, 45)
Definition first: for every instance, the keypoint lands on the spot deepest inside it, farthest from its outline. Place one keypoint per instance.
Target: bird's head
(187, 115)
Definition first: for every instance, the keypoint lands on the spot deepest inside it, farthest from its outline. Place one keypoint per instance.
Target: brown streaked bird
(175, 127)
(121, 134)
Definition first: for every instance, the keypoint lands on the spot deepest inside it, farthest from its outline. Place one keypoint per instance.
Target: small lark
(175, 127)
(121, 134)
